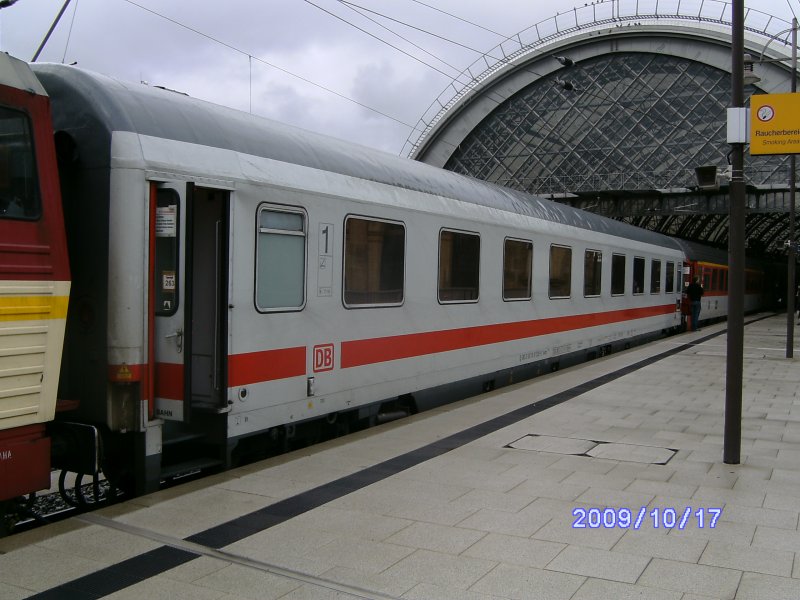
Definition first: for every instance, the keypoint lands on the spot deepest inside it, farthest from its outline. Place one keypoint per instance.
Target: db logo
(323, 358)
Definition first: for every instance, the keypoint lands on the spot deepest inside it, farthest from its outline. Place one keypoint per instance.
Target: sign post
(775, 128)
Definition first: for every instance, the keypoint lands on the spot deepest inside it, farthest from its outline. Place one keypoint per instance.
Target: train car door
(206, 312)
(167, 299)
(190, 300)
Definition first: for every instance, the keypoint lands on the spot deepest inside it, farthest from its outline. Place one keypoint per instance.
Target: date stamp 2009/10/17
(625, 518)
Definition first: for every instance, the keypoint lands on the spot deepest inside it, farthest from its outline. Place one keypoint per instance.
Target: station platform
(601, 481)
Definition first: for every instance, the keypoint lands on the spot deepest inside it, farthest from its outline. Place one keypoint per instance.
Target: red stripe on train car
(169, 381)
(366, 352)
(267, 365)
(169, 378)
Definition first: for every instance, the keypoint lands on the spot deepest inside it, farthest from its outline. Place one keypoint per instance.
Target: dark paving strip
(155, 562)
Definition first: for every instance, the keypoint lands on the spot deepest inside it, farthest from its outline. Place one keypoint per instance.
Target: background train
(235, 281)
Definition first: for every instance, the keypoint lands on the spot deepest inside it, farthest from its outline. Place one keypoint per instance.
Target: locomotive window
(669, 286)
(166, 259)
(19, 185)
(560, 272)
(459, 266)
(280, 260)
(374, 262)
(638, 275)
(517, 261)
(655, 277)
(592, 269)
(617, 274)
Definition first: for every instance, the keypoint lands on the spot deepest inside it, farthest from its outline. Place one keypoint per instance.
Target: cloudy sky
(240, 53)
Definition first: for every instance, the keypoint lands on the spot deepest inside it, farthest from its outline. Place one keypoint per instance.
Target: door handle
(178, 335)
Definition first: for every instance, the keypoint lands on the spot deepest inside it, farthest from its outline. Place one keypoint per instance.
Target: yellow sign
(775, 124)
(124, 372)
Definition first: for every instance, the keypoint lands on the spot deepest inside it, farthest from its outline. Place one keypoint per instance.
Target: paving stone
(644, 543)
(599, 589)
(615, 566)
(450, 540)
(696, 579)
(756, 586)
(424, 566)
(515, 550)
(522, 583)
(752, 559)
(779, 539)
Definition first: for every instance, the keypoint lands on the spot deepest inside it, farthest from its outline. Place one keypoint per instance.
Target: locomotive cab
(34, 280)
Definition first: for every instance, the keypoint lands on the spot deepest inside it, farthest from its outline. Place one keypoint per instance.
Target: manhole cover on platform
(608, 450)
(558, 445)
(631, 453)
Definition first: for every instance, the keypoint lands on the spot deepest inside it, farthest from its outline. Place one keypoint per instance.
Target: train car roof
(90, 107)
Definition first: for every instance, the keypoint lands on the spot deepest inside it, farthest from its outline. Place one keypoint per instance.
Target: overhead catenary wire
(372, 35)
(353, 7)
(71, 26)
(269, 64)
(444, 12)
(461, 72)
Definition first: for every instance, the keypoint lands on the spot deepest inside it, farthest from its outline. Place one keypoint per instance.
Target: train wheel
(88, 490)
(96, 491)
(69, 495)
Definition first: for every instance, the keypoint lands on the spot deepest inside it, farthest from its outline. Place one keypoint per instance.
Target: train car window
(167, 249)
(374, 262)
(19, 184)
(669, 286)
(517, 263)
(638, 275)
(280, 259)
(618, 274)
(592, 272)
(560, 272)
(655, 276)
(706, 279)
(459, 266)
(715, 283)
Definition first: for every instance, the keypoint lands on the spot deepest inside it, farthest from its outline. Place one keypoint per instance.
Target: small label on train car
(168, 281)
(325, 263)
(167, 221)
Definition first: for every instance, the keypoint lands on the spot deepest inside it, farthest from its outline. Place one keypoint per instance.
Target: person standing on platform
(695, 293)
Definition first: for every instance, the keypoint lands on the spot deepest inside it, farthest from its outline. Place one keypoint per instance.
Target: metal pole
(50, 32)
(733, 381)
(792, 256)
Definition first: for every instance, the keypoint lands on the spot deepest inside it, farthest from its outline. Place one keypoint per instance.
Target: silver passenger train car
(235, 279)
